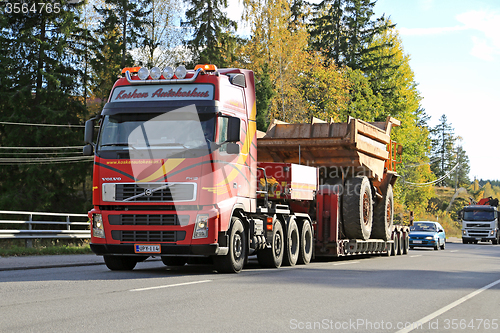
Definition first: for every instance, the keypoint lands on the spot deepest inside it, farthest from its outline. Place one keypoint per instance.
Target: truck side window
(223, 124)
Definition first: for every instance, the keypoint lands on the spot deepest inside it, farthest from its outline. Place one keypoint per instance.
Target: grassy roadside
(18, 251)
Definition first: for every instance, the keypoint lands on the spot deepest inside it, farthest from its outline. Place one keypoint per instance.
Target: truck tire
(406, 242)
(399, 249)
(174, 261)
(234, 260)
(395, 244)
(383, 216)
(292, 244)
(120, 263)
(496, 241)
(357, 208)
(388, 249)
(306, 243)
(272, 257)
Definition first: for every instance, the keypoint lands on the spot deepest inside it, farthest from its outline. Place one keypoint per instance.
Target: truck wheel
(234, 260)
(292, 241)
(272, 257)
(174, 261)
(306, 243)
(120, 263)
(399, 248)
(388, 249)
(357, 208)
(395, 244)
(383, 216)
(406, 242)
(465, 241)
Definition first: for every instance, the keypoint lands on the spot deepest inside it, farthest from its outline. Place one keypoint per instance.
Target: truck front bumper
(166, 249)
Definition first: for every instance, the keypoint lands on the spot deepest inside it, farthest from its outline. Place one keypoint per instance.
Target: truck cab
(174, 155)
(480, 223)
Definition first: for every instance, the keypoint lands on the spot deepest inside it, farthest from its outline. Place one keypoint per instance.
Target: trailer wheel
(306, 243)
(292, 241)
(174, 261)
(395, 244)
(383, 216)
(272, 257)
(120, 263)
(357, 208)
(389, 249)
(234, 260)
(406, 242)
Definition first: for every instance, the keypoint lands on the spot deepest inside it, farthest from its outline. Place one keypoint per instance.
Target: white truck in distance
(480, 222)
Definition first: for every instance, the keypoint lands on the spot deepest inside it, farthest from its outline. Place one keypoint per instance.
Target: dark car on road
(427, 234)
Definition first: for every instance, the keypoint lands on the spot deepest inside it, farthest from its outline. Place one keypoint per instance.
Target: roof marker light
(181, 72)
(143, 73)
(207, 67)
(168, 73)
(155, 73)
(132, 70)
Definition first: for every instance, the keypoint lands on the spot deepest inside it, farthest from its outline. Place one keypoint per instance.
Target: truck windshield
(479, 215)
(181, 129)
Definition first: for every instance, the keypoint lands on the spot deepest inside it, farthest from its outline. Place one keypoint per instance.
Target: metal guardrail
(69, 228)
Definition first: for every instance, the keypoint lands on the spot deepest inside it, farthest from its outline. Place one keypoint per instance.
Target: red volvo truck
(177, 175)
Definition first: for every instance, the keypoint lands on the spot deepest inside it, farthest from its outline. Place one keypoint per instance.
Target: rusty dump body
(354, 154)
(353, 147)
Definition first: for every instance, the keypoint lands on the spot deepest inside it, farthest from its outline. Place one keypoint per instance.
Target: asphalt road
(455, 290)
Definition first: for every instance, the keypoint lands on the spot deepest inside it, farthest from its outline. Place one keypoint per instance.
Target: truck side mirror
(89, 131)
(88, 150)
(233, 129)
(232, 148)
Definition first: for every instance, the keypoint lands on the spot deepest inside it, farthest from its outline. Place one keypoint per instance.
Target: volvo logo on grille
(148, 192)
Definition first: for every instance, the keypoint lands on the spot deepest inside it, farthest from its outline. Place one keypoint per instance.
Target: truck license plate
(417, 242)
(147, 248)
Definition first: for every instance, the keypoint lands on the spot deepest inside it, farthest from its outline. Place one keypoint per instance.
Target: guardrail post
(29, 241)
(68, 226)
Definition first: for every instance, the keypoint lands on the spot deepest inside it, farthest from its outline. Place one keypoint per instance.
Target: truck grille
(479, 233)
(477, 225)
(147, 235)
(153, 192)
(148, 219)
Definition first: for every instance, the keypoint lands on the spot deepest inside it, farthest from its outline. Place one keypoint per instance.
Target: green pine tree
(41, 85)
(213, 32)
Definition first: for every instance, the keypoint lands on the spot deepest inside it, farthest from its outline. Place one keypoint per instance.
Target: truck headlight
(464, 232)
(492, 232)
(201, 226)
(97, 226)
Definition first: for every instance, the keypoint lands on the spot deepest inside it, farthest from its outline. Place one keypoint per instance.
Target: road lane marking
(416, 255)
(171, 285)
(415, 325)
(454, 251)
(346, 263)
